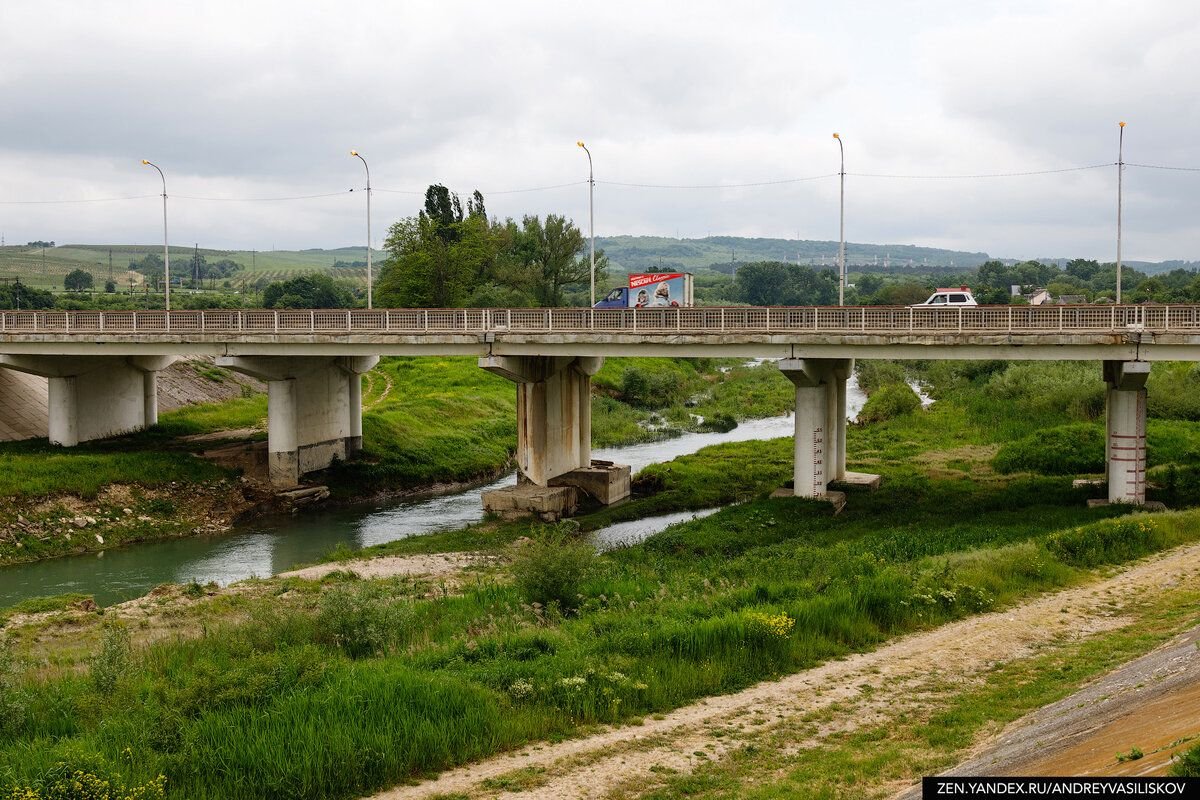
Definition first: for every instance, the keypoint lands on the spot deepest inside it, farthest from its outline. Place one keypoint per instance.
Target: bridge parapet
(781, 319)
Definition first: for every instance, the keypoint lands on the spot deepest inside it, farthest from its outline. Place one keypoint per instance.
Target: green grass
(276, 706)
(240, 412)
(37, 469)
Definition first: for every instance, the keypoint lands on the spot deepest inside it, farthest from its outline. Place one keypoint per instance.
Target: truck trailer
(652, 290)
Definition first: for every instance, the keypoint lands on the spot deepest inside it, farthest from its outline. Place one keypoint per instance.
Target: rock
(86, 604)
(99, 538)
(80, 522)
(126, 511)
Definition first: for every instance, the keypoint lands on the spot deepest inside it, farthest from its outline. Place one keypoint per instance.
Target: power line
(261, 199)
(982, 175)
(717, 185)
(1159, 166)
(85, 200)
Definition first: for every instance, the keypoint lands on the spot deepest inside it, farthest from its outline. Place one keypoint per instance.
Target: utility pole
(1120, 174)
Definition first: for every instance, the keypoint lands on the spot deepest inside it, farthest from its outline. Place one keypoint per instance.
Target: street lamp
(591, 216)
(166, 247)
(1120, 171)
(842, 234)
(370, 303)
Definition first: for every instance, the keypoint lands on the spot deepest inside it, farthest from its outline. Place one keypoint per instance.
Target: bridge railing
(782, 319)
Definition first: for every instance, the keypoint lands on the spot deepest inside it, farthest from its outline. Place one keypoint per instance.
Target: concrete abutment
(314, 409)
(554, 438)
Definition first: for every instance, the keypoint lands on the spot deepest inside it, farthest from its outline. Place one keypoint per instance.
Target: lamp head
(579, 144)
(147, 163)
(836, 136)
(1122, 124)
(353, 152)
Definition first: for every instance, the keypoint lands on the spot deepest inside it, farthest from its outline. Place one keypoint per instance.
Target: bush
(360, 619)
(888, 402)
(650, 388)
(552, 567)
(1186, 765)
(874, 375)
(1065, 450)
(1108, 542)
(112, 661)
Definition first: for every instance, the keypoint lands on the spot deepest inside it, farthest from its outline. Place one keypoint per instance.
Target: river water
(269, 546)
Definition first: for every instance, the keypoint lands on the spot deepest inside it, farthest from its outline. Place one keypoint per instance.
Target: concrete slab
(603, 481)
(1149, 505)
(550, 503)
(835, 499)
(864, 480)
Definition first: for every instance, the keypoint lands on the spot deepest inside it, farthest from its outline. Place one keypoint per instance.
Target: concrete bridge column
(314, 409)
(554, 437)
(92, 397)
(820, 438)
(1125, 443)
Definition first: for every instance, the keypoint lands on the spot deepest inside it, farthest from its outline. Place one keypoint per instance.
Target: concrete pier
(554, 437)
(314, 409)
(92, 397)
(820, 437)
(1125, 442)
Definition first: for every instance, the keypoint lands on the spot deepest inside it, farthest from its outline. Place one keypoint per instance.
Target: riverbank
(431, 426)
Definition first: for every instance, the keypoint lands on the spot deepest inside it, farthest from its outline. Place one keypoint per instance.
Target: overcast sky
(256, 99)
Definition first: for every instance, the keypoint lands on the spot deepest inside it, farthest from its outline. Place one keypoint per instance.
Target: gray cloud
(253, 99)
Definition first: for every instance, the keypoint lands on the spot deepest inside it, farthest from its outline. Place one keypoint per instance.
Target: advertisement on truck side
(659, 290)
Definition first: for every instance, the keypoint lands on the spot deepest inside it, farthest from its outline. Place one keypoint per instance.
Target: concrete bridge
(101, 367)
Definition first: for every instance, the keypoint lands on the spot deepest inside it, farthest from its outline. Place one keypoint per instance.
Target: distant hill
(641, 253)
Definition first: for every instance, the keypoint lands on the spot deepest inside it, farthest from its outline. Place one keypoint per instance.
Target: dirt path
(857, 691)
(433, 566)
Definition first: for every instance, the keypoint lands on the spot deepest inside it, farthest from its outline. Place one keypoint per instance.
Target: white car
(949, 297)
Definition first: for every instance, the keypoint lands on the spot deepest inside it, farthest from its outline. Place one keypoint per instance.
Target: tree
(307, 291)
(77, 281)
(110, 287)
(774, 283)
(18, 295)
(550, 256)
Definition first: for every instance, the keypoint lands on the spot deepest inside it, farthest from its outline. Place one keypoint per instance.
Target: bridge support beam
(554, 437)
(820, 438)
(95, 397)
(1125, 443)
(314, 409)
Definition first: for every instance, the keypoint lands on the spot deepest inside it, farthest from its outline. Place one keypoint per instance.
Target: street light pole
(591, 216)
(1120, 175)
(842, 234)
(370, 302)
(166, 247)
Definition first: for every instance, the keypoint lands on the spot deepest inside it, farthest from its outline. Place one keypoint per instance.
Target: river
(268, 546)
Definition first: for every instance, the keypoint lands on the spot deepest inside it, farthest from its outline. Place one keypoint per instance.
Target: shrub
(552, 567)
(888, 402)
(651, 388)
(1186, 765)
(1107, 542)
(360, 619)
(874, 375)
(113, 659)
(1065, 450)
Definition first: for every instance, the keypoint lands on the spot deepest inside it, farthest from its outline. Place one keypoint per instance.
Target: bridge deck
(1080, 332)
